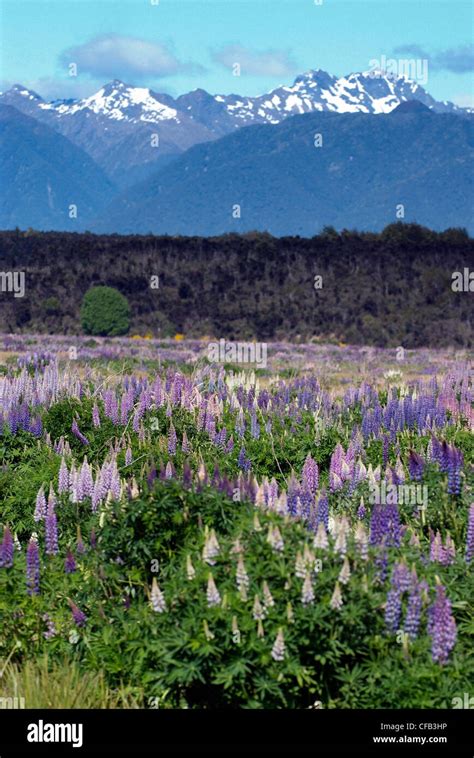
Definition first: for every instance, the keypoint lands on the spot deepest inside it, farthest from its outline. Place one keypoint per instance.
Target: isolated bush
(105, 311)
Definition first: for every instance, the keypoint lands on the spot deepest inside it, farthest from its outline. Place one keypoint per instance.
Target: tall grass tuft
(43, 684)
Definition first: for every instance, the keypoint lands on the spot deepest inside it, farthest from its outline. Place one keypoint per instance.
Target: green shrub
(51, 306)
(105, 311)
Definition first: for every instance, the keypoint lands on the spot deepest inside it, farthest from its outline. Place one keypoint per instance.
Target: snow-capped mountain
(370, 92)
(118, 125)
(128, 131)
(119, 102)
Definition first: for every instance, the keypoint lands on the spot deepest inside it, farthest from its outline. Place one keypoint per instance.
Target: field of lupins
(206, 536)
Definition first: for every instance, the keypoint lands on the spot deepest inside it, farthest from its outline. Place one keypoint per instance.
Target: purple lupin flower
(413, 614)
(376, 525)
(392, 526)
(51, 530)
(381, 563)
(80, 547)
(185, 446)
(243, 462)
(63, 477)
(78, 616)
(322, 512)
(400, 582)
(470, 535)
(36, 426)
(335, 468)
(78, 434)
(393, 607)
(254, 426)
(115, 485)
(172, 440)
(69, 563)
(151, 476)
(385, 450)
(50, 627)
(401, 577)
(87, 480)
(454, 462)
(441, 627)
(437, 549)
(128, 457)
(310, 475)
(415, 466)
(6, 549)
(95, 416)
(40, 509)
(32, 567)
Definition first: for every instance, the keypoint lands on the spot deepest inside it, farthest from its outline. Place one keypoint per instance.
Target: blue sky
(179, 45)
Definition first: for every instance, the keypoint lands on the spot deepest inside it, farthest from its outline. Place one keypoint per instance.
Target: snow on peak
(19, 89)
(119, 102)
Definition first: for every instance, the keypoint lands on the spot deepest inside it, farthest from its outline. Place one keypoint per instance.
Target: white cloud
(113, 56)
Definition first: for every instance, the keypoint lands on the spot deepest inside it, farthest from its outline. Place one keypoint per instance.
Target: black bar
(319, 732)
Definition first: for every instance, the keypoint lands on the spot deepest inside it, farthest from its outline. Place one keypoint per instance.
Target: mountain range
(126, 142)
(274, 178)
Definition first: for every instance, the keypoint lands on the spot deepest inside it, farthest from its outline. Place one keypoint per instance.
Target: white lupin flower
(190, 571)
(279, 648)
(211, 548)
(157, 599)
(308, 557)
(321, 539)
(300, 566)
(336, 599)
(212, 594)
(260, 497)
(340, 545)
(267, 596)
(258, 611)
(241, 574)
(345, 572)
(281, 505)
(361, 540)
(277, 540)
(307, 594)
